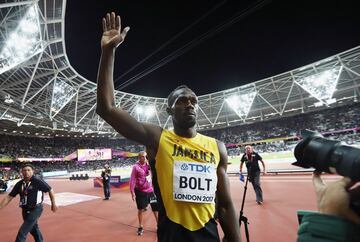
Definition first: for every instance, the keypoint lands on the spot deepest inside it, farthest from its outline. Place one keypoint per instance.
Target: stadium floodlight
(321, 85)
(23, 42)
(62, 94)
(139, 109)
(150, 111)
(241, 104)
(145, 111)
(8, 99)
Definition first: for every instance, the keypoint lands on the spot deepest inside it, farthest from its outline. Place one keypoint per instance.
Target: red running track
(116, 219)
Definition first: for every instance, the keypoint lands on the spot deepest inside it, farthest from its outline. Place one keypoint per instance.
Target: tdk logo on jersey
(184, 167)
(196, 167)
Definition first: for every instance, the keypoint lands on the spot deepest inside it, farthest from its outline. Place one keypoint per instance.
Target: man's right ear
(169, 111)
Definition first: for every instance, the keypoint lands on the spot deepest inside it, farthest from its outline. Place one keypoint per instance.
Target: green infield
(265, 156)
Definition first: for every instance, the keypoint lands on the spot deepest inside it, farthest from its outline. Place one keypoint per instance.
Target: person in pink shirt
(141, 189)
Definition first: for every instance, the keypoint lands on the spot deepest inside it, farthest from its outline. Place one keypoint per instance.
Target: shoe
(259, 202)
(140, 231)
(106, 198)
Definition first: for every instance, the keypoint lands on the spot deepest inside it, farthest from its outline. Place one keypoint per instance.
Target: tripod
(242, 218)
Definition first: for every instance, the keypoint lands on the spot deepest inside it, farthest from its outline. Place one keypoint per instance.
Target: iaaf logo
(196, 167)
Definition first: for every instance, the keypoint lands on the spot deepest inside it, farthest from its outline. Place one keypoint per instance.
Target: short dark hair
(27, 165)
(170, 97)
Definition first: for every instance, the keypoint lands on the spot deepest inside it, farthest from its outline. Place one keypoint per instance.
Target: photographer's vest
(186, 177)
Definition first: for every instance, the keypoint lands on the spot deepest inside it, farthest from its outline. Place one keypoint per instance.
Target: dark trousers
(30, 225)
(106, 186)
(255, 181)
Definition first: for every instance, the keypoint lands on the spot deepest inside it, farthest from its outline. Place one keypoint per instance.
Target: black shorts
(171, 231)
(143, 199)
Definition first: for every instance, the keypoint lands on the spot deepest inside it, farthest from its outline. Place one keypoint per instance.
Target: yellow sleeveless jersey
(187, 179)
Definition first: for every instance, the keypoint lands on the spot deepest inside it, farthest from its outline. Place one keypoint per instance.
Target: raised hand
(112, 35)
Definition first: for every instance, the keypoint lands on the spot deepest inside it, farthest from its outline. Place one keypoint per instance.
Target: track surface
(116, 220)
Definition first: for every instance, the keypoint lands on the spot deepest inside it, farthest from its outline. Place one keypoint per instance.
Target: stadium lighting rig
(321, 85)
(23, 42)
(8, 99)
(241, 104)
(145, 111)
(62, 94)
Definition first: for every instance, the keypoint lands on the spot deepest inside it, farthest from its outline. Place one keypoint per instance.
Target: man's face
(27, 172)
(249, 150)
(184, 108)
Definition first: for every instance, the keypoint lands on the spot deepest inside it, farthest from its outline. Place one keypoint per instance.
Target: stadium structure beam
(7, 79)
(157, 116)
(350, 70)
(85, 114)
(276, 91)
(42, 88)
(218, 113)
(268, 102)
(31, 79)
(167, 120)
(52, 116)
(3, 114)
(36, 77)
(76, 106)
(14, 4)
(205, 115)
(287, 99)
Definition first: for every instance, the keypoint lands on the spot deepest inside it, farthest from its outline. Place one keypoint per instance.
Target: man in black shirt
(251, 160)
(31, 190)
(106, 175)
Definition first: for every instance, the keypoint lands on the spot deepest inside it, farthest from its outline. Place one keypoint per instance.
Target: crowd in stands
(70, 166)
(58, 147)
(327, 120)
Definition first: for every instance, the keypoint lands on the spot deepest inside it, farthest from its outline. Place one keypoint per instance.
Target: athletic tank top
(187, 179)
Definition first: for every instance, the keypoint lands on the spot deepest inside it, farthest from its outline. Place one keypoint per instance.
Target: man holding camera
(106, 175)
(251, 159)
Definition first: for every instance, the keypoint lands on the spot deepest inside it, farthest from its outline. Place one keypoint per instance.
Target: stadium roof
(40, 89)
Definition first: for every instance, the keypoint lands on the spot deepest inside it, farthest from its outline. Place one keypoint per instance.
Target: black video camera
(329, 156)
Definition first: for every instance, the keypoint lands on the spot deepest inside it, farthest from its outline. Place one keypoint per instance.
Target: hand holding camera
(334, 198)
(331, 156)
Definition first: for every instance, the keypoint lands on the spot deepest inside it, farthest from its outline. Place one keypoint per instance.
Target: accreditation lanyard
(249, 157)
(24, 191)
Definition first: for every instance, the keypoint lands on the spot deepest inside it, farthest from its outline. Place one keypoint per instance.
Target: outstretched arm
(119, 119)
(52, 199)
(7, 199)
(228, 219)
(263, 165)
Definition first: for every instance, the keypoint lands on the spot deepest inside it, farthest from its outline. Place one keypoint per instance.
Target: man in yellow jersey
(188, 169)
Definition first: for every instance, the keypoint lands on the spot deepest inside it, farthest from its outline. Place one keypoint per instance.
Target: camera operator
(106, 175)
(251, 159)
(336, 221)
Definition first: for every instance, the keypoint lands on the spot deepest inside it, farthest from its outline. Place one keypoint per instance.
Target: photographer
(106, 175)
(251, 159)
(336, 221)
